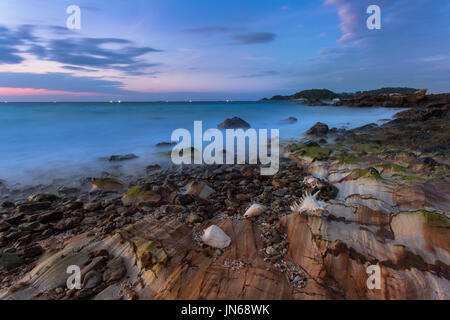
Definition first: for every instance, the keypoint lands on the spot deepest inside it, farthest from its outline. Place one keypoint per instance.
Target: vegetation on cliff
(325, 94)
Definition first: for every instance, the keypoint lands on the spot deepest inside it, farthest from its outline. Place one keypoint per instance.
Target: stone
(51, 216)
(140, 194)
(290, 120)
(234, 123)
(92, 279)
(68, 223)
(199, 189)
(29, 226)
(107, 184)
(150, 254)
(92, 206)
(33, 251)
(115, 270)
(125, 157)
(36, 206)
(9, 261)
(193, 218)
(255, 210)
(42, 197)
(319, 129)
(215, 237)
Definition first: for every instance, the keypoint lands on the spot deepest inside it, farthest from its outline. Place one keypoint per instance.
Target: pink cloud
(40, 92)
(348, 17)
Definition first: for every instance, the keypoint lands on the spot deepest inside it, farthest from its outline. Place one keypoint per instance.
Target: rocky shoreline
(342, 200)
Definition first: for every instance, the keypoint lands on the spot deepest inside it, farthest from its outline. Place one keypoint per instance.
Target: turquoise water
(43, 141)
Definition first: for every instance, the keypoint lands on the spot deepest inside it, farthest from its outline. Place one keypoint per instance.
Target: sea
(41, 142)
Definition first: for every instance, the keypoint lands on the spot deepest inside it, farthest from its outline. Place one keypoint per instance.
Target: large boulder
(319, 129)
(234, 123)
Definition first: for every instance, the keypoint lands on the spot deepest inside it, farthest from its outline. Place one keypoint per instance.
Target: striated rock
(234, 123)
(215, 237)
(255, 210)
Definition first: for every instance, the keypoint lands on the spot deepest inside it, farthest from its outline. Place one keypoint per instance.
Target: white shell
(309, 204)
(255, 210)
(215, 237)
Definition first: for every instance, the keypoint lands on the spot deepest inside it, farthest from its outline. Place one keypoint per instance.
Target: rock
(255, 210)
(33, 251)
(123, 157)
(290, 120)
(184, 199)
(15, 218)
(115, 270)
(140, 194)
(199, 189)
(150, 254)
(215, 237)
(166, 144)
(68, 223)
(193, 218)
(319, 129)
(107, 184)
(83, 294)
(74, 206)
(36, 206)
(92, 206)
(29, 226)
(42, 197)
(9, 261)
(270, 251)
(91, 279)
(50, 216)
(8, 204)
(234, 123)
(152, 167)
(66, 191)
(242, 197)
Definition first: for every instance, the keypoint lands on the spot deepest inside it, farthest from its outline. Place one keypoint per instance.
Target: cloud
(73, 68)
(256, 37)
(209, 30)
(108, 53)
(260, 74)
(10, 40)
(56, 81)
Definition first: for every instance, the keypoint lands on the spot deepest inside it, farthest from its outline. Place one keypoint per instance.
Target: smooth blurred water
(42, 141)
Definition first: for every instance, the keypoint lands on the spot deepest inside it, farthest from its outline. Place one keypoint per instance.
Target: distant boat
(118, 101)
(190, 101)
(110, 101)
(227, 101)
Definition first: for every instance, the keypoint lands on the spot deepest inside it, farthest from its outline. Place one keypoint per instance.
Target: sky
(177, 50)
